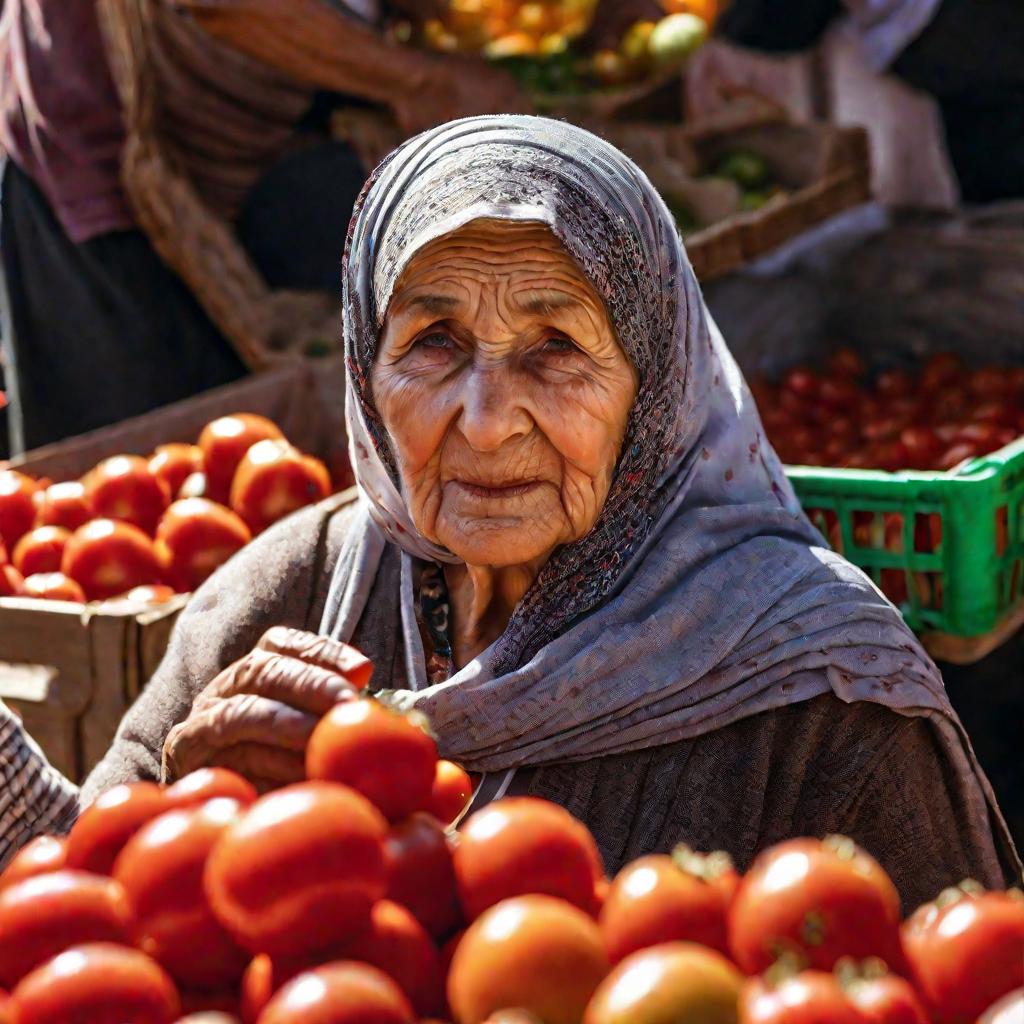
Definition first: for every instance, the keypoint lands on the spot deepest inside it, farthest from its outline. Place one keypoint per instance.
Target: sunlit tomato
(420, 873)
(195, 538)
(811, 997)
(40, 550)
(922, 446)
(53, 586)
(802, 381)
(195, 485)
(339, 993)
(63, 504)
(380, 753)
(845, 362)
(42, 916)
(300, 870)
(894, 383)
(39, 857)
(659, 898)
(533, 952)
(955, 454)
(17, 507)
(821, 899)
(12, 583)
(109, 822)
(151, 593)
(99, 983)
(1009, 1010)
(224, 443)
(941, 369)
(523, 845)
(125, 488)
(451, 791)
(676, 981)
(161, 870)
(965, 951)
(107, 558)
(273, 480)
(175, 463)
(884, 999)
(207, 783)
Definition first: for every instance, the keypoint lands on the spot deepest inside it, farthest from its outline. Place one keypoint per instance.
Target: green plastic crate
(951, 544)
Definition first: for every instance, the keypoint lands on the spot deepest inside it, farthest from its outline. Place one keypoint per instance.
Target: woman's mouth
(511, 489)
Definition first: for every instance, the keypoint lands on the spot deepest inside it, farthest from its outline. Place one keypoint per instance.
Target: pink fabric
(60, 119)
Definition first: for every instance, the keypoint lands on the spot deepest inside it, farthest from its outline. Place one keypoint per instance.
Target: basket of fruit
(346, 898)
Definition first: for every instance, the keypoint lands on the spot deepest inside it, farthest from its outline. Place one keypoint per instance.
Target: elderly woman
(572, 548)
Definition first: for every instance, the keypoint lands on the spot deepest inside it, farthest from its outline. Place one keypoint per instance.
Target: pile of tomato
(931, 419)
(152, 526)
(350, 899)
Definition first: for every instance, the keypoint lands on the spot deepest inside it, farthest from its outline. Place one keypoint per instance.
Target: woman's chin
(500, 542)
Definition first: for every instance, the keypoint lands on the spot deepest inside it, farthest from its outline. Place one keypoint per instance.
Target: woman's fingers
(318, 650)
(265, 767)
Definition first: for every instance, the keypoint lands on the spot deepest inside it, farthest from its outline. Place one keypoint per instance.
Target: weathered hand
(257, 715)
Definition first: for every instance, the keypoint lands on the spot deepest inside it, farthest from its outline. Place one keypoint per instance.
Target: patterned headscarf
(702, 595)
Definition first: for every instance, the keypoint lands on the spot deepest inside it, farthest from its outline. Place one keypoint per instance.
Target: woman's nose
(492, 409)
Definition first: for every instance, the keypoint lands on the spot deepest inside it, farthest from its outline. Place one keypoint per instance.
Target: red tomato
(894, 384)
(535, 953)
(42, 916)
(54, 586)
(922, 446)
(206, 784)
(420, 873)
(966, 950)
(524, 845)
(125, 488)
(175, 463)
(658, 899)
(39, 857)
(161, 870)
(819, 899)
(98, 984)
(956, 454)
(451, 791)
(839, 392)
(224, 443)
(984, 435)
(150, 593)
(301, 869)
(339, 993)
(12, 583)
(195, 538)
(989, 381)
(17, 506)
(275, 479)
(812, 997)
(40, 550)
(802, 381)
(940, 370)
(676, 981)
(209, 1007)
(886, 999)
(63, 504)
(385, 756)
(109, 822)
(107, 558)
(845, 362)
(1009, 1010)
(195, 485)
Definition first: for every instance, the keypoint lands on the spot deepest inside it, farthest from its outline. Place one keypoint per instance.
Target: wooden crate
(72, 670)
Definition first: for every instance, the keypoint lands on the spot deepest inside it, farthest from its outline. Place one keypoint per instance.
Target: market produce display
(344, 900)
(145, 529)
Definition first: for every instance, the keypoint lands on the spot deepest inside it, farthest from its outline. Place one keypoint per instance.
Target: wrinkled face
(505, 393)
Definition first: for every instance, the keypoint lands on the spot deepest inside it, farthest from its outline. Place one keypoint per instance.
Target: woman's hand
(257, 715)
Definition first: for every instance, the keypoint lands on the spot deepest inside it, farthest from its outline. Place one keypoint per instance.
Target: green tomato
(674, 38)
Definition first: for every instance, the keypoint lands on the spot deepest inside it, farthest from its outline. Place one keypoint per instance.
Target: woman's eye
(436, 341)
(559, 345)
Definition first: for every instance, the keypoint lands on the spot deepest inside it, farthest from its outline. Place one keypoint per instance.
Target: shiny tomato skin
(300, 871)
(894, 384)
(97, 983)
(42, 916)
(161, 871)
(535, 953)
(846, 362)
(175, 463)
(421, 875)
(275, 479)
(40, 550)
(339, 993)
(150, 593)
(109, 822)
(39, 857)
(675, 981)
(1009, 1010)
(653, 900)
(822, 899)
(380, 753)
(887, 1000)
(64, 504)
(12, 583)
(196, 537)
(811, 997)
(940, 370)
(195, 485)
(224, 443)
(207, 783)
(17, 506)
(967, 954)
(124, 488)
(802, 381)
(523, 845)
(451, 791)
(53, 586)
(107, 558)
